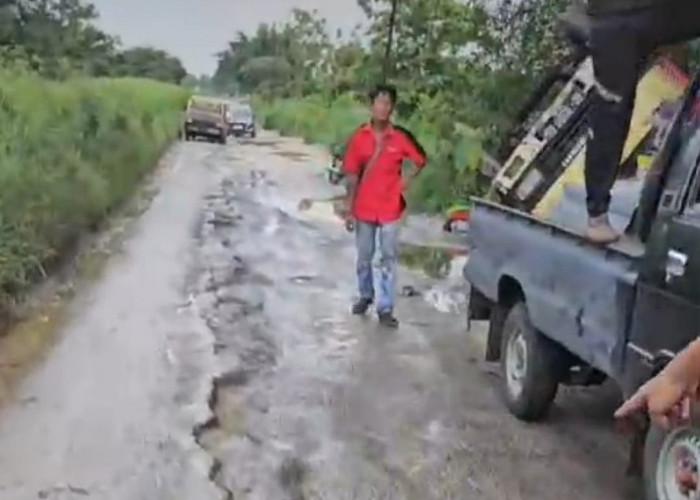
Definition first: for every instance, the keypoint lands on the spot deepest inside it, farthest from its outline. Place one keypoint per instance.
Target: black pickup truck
(563, 311)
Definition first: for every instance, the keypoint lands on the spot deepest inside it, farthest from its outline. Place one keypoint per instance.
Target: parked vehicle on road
(243, 122)
(563, 311)
(205, 117)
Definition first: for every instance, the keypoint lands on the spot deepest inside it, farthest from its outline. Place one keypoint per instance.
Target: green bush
(69, 153)
(454, 150)
(312, 118)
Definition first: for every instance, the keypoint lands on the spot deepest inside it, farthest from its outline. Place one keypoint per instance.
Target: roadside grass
(70, 153)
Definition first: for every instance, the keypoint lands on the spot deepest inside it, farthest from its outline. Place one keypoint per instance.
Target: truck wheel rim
(516, 362)
(677, 466)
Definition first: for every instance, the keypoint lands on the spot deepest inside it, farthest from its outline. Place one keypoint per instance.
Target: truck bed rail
(626, 246)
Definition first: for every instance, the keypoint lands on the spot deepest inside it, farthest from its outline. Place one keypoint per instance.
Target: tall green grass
(454, 150)
(69, 153)
(312, 118)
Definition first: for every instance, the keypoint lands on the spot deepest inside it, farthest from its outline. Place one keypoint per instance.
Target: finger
(675, 416)
(635, 404)
(632, 424)
(661, 419)
(680, 414)
(685, 410)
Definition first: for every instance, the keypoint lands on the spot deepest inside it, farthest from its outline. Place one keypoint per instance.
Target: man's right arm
(351, 169)
(350, 191)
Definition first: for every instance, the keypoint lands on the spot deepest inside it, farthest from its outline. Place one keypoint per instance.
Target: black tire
(658, 450)
(223, 139)
(528, 387)
(253, 134)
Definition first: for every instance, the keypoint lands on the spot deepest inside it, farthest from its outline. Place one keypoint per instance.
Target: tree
(58, 38)
(292, 57)
(146, 62)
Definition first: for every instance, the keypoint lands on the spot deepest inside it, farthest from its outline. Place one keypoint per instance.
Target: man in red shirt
(375, 198)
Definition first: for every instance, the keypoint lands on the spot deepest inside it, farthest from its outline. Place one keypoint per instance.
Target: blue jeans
(366, 234)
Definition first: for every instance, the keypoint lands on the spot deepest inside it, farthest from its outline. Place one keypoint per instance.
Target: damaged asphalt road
(312, 403)
(217, 359)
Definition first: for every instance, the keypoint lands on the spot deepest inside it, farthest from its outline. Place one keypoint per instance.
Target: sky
(195, 30)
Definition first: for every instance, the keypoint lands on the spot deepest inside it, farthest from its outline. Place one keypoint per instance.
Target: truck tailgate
(577, 294)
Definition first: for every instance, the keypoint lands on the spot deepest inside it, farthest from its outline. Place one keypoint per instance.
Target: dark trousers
(620, 46)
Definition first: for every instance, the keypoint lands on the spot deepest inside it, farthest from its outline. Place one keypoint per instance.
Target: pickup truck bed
(568, 284)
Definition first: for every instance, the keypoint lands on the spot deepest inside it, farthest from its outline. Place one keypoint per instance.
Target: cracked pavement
(216, 358)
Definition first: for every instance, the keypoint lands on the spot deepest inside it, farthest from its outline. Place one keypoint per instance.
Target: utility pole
(389, 41)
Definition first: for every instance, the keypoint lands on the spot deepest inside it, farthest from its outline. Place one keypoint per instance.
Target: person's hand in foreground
(666, 397)
(663, 398)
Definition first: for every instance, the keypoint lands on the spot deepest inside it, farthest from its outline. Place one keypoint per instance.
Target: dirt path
(225, 279)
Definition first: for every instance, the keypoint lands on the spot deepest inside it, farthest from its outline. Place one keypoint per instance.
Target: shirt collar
(367, 127)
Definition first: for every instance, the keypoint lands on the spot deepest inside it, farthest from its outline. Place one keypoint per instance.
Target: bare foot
(600, 231)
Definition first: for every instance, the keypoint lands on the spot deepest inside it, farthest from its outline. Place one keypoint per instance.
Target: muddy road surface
(217, 358)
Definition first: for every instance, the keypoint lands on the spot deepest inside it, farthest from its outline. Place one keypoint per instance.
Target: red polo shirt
(379, 198)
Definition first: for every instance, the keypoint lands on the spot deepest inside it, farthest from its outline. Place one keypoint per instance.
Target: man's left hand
(349, 224)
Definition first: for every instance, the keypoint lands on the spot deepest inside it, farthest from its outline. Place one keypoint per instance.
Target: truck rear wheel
(672, 463)
(531, 366)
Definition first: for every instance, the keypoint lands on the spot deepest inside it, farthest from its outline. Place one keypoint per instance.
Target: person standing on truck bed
(623, 34)
(375, 198)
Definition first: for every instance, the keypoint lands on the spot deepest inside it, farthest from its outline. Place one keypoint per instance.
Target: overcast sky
(194, 30)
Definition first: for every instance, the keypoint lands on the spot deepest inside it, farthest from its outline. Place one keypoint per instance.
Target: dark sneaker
(387, 319)
(361, 306)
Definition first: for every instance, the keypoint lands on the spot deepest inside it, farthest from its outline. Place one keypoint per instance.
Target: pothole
(62, 491)
(292, 474)
(235, 314)
(259, 142)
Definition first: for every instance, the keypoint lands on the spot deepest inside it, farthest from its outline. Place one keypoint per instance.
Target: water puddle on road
(259, 142)
(292, 155)
(25, 343)
(435, 262)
